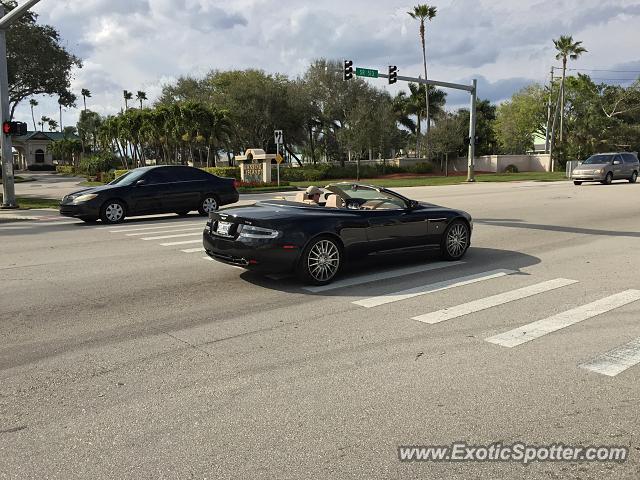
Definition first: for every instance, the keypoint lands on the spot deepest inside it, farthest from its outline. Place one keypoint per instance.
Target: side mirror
(140, 183)
(617, 162)
(412, 204)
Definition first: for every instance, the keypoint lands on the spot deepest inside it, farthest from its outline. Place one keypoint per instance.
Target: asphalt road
(125, 355)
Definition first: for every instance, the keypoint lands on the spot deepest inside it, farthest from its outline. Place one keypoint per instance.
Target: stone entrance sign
(255, 165)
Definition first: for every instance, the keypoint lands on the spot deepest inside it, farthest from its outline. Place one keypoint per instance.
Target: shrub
(106, 177)
(118, 173)
(94, 164)
(232, 172)
(511, 169)
(41, 167)
(65, 169)
(421, 168)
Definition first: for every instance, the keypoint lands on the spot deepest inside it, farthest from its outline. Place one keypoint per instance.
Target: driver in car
(313, 194)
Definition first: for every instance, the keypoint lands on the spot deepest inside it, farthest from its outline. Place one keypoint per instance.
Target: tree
(567, 49)
(519, 118)
(141, 96)
(68, 100)
(424, 12)
(44, 119)
(485, 119)
(85, 94)
(417, 106)
(33, 103)
(53, 125)
(38, 63)
(127, 96)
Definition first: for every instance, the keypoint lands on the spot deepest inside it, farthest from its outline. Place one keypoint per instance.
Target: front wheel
(113, 211)
(576, 182)
(209, 204)
(608, 179)
(456, 240)
(320, 262)
(634, 178)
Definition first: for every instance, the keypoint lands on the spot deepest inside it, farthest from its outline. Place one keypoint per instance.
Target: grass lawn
(91, 184)
(22, 179)
(453, 180)
(27, 203)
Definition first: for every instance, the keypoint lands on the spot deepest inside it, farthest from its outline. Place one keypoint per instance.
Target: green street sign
(366, 72)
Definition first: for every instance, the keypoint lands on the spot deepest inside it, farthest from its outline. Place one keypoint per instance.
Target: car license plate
(223, 228)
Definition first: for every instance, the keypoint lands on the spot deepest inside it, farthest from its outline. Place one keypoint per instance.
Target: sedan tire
(608, 179)
(113, 211)
(456, 240)
(208, 204)
(320, 261)
(576, 182)
(634, 178)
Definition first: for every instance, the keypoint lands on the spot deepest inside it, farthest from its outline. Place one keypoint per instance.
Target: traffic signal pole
(472, 89)
(8, 187)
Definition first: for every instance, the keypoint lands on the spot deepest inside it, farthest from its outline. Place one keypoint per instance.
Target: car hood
(101, 188)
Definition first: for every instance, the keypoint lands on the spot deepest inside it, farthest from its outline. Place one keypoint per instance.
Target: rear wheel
(576, 182)
(634, 178)
(608, 179)
(113, 211)
(455, 240)
(320, 261)
(209, 204)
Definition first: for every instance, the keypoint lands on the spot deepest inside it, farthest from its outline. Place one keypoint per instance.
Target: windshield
(597, 159)
(369, 198)
(128, 178)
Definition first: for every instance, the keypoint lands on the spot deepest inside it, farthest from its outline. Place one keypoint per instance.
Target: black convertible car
(150, 190)
(315, 239)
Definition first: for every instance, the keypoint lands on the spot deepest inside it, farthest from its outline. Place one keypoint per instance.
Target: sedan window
(156, 176)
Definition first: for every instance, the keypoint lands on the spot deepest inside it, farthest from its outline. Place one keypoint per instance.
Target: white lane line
(208, 258)
(137, 234)
(183, 242)
(534, 330)
(373, 277)
(431, 288)
(155, 227)
(162, 237)
(615, 361)
(193, 250)
(493, 301)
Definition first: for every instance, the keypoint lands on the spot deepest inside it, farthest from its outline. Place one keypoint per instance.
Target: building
(34, 148)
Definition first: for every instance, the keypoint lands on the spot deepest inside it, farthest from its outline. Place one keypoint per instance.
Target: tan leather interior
(334, 201)
(299, 197)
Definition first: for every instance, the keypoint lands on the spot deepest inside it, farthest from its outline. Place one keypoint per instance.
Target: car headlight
(85, 198)
(249, 231)
(600, 171)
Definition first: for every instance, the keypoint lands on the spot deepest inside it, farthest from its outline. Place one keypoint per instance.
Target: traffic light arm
(435, 83)
(16, 13)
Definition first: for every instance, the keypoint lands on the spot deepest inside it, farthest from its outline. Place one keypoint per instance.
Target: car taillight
(235, 184)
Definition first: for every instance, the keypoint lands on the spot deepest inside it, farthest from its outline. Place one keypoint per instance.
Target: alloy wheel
(209, 205)
(323, 260)
(457, 240)
(114, 212)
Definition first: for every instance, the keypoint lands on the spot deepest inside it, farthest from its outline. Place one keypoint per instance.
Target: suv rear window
(629, 158)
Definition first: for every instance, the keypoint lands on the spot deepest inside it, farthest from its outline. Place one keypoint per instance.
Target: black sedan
(151, 190)
(314, 238)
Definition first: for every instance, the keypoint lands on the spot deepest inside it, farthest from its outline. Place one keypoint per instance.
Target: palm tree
(85, 94)
(34, 103)
(424, 12)
(67, 99)
(53, 125)
(567, 49)
(416, 106)
(44, 119)
(127, 96)
(141, 96)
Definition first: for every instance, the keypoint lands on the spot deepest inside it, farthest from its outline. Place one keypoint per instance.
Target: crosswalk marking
(182, 242)
(138, 234)
(534, 330)
(431, 288)
(157, 226)
(373, 277)
(193, 250)
(493, 301)
(615, 361)
(162, 237)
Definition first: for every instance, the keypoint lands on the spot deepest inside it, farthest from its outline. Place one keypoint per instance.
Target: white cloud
(142, 44)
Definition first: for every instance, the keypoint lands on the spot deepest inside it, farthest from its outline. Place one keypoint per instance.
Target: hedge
(315, 173)
(36, 167)
(233, 172)
(65, 169)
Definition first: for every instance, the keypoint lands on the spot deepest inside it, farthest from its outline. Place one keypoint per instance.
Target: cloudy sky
(505, 44)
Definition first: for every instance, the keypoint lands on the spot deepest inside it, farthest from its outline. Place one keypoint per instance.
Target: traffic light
(348, 70)
(393, 74)
(14, 128)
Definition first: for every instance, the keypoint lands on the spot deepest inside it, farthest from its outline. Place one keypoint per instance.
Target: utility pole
(471, 175)
(8, 187)
(546, 140)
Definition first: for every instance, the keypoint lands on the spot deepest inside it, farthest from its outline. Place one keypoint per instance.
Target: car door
(618, 168)
(395, 230)
(630, 164)
(187, 188)
(148, 193)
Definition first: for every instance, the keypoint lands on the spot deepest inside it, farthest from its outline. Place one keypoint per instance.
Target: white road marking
(157, 226)
(615, 361)
(193, 250)
(137, 234)
(431, 288)
(183, 242)
(162, 237)
(534, 330)
(208, 258)
(373, 277)
(493, 301)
